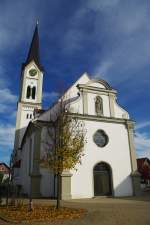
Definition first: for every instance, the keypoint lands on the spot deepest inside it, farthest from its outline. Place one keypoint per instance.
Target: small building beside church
(4, 170)
(143, 165)
(109, 165)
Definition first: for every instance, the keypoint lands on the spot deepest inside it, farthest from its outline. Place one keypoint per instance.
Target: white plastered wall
(77, 101)
(115, 153)
(24, 170)
(71, 93)
(47, 177)
(24, 121)
(120, 112)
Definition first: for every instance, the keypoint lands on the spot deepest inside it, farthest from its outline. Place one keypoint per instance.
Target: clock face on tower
(32, 72)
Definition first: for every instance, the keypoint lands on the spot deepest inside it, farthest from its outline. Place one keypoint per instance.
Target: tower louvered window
(28, 92)
(33, 92)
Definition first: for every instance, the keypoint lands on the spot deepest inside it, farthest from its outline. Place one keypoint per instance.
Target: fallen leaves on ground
(39, 213)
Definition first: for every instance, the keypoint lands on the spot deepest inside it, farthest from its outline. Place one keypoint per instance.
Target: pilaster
(40, 84)
(66, 185)
(35, 185)
(130, 129)
(111, 104)
(23, 86)
(35, 174)
(85, 102)
(135, 175)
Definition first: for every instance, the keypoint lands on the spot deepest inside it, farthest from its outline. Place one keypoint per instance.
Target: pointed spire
(34, 49)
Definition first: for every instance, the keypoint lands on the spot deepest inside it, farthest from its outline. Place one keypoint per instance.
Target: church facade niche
(98, 106)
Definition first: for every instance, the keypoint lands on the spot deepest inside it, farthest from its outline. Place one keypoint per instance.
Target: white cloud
(126, 30)
(3, 108)
(7, 97)
(7, 102)
(13, 115)
(130, 19)
(103, 69)
(142, 125)
(75, 35)
(142, 141)
(98, 5)
(130, 49)
(74, 38)
(125, 60)
(3, 79)
(7, 132)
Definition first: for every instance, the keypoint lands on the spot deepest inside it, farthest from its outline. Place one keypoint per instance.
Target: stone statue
(99, 106)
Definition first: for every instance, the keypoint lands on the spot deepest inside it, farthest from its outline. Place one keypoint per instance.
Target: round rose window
(100, 138)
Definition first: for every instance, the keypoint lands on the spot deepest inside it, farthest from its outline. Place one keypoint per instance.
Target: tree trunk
(58, 190)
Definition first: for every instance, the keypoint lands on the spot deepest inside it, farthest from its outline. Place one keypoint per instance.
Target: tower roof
(34, 51)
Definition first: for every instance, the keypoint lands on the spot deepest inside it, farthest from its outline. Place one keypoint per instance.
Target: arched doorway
(102, 179)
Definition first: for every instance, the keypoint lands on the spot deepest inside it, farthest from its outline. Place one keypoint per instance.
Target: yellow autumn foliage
(40, 213)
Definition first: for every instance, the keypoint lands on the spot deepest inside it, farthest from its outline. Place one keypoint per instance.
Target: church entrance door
(102, 179)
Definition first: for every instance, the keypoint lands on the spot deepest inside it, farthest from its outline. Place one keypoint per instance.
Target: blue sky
(108, 39)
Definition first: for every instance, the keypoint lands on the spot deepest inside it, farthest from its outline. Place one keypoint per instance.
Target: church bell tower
(30, 97)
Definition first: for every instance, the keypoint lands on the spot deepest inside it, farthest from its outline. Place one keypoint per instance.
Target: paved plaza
(106, 211)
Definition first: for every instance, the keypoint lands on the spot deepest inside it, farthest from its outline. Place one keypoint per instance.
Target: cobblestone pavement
(107, 211)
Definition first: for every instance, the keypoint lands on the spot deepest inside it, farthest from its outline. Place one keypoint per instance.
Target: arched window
(27, 116)
(33, 92)
(28, 92)
(30, 116)
(99, 106)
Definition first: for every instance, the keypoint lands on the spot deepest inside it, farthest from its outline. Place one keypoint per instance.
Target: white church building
(109, 164)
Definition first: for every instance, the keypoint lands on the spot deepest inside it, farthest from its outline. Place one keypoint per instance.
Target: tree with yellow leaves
(64, 147)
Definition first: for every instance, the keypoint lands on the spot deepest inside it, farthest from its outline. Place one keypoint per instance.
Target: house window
(99, 106)
(30, 116)
(27, 116)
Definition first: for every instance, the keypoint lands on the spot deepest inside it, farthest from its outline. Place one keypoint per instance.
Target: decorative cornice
(85, 88)
(30, 103)
(100, 119)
